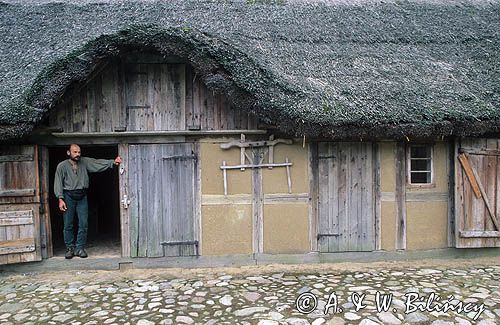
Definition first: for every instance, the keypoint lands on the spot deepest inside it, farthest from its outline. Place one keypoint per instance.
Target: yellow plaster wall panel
(212, 180)
(387, 166)
(441, 170)
(226, 229)
(426, 225)
(286, 228)
(275, 180)
(388, 226)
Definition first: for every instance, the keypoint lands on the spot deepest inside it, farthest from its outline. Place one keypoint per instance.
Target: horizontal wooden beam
(22, 245)
(153, 133)
(256, 166)
(23, 192)
(480, 234)
(481, 152)
(15, 158)
(16, 221)
(251, 144)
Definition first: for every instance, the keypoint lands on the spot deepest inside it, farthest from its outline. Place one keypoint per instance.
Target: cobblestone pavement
(259, 295)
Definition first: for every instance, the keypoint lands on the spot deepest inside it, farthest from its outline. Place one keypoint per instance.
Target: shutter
(19, 204)
(477, 193)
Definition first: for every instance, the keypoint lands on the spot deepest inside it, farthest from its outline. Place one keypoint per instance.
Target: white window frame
(408, 164)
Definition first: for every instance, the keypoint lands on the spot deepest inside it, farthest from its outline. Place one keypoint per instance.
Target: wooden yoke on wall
(244, 157)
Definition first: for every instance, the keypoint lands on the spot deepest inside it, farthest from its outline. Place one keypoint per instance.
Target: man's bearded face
(74, 153)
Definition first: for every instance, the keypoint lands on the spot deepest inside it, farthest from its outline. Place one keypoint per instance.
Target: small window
(420, 164)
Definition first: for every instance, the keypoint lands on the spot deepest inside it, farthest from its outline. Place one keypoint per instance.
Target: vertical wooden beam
(198, 224)
(36, 214)
(124, 212)
(451, 193)
(257, 206)
(242, 151)
(378, 194)
(313, 195)
(400, 196)
(45, 227)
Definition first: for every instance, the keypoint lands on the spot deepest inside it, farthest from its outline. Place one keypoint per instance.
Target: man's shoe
(69, 253)
(81, 253)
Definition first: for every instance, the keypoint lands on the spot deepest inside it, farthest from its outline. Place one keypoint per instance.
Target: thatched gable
(368, 69)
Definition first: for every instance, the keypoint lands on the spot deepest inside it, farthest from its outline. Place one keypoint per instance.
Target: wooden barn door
(346, 203)
(19, 204)
(477, 193)
(162, 188)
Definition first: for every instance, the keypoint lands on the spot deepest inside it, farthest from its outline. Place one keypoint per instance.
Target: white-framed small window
(420, 164)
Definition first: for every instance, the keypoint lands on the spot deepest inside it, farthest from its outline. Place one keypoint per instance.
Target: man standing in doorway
(70, 186)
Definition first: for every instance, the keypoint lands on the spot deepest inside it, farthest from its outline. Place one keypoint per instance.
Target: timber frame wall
(143, 99)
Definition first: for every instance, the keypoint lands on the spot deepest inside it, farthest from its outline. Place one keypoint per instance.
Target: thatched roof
(321, 68)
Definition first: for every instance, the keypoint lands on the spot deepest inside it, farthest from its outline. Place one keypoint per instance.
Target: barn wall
(227, 221)
(387, 187)
(427, 214)
(145, 97)
(426, 207)
(286, 221)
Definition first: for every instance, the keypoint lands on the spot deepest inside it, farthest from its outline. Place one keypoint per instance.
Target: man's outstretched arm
(100, 165)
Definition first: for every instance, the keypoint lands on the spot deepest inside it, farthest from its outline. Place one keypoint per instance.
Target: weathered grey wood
(144, 198)
(45, 224)
(476, 215)
(325, 183)
(345, 197)
(400, 195)
(491, 221)
(481, 234)
(14, 246)
(142, 96)
(313, 195)
(378, 197)
(257, 205)
(124, 193)
(152, 133)
(11, 158)
(165, 191)
(22, 192)
(16, 221)
(133, 183)
(20, 215)
(489, 151)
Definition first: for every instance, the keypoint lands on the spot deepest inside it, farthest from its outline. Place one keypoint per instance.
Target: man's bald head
(74, 152)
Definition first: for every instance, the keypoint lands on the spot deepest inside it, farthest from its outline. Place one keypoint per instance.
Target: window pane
(420, 152)
(420, 177)
(421, 165)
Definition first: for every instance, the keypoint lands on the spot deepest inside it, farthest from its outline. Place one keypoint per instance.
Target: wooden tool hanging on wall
(246, 161)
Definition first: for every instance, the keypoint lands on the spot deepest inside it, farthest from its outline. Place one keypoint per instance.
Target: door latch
(122, 170)
(125, 201)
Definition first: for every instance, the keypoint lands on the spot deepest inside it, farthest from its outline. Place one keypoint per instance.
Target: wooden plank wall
(163, 192)
(472, 214)
(19, 205)
(146, 97)
(346, 204)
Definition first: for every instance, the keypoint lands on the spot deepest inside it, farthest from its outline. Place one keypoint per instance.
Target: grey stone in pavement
(262, 298)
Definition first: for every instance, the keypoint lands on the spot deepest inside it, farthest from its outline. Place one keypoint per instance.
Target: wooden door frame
(123, 191)
(44, 153)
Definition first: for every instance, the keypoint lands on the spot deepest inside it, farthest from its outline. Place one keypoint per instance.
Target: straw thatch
(338, 69)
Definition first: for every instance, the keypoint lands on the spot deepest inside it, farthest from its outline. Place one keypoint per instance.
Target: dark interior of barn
(103, 200)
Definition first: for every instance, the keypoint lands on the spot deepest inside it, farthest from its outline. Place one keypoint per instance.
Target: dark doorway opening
(104, 207)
